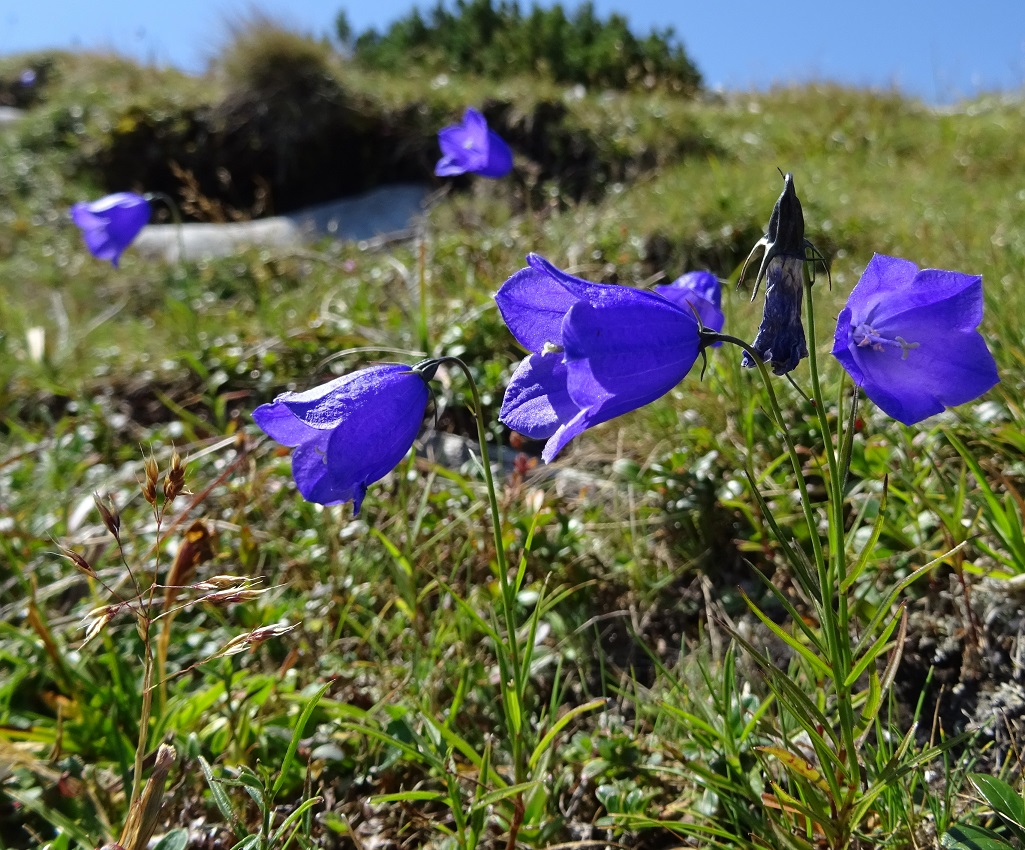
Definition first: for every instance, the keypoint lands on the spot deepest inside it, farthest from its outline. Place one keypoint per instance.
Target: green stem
(506, 588)
(833, 617)
(176, 216)
(781, 424)
(835, 577)
(422, 274)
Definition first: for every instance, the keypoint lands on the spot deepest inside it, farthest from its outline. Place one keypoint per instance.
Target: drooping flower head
(110, 224)
(351, 431)
(471, 147)
(910, 339)
(597, 351)
(700, 292)
(780, 341)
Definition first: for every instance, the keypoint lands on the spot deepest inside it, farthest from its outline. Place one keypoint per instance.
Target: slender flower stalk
(176, 218)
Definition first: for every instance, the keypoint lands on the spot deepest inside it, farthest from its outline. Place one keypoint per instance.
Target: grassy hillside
(381, 718)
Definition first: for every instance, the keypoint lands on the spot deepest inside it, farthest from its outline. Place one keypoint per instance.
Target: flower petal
(943, 371)
(328, 405)
(700, 292)
(932, 298)
(622, 357)
(628, 355)
(701, 283)
(475, 126)
(843, 347)
(533, 305)
(534, 301)
(366, 447)
(348, 432)
(909, 339)
(883, 276)
(583, 420)
(313, 477)
(282, 426)
(499, 160)
(537, 401)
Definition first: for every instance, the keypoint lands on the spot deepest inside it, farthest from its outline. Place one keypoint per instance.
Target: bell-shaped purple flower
(110, 224)
(597, 351)
(780, 340)
(471, 147)
(698, 291)
(910, 339)
(351, 431)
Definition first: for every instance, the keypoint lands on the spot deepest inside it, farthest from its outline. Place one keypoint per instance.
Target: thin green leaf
(176, 839)
(878, 647)
(221, 799)
(297, 733)
(287, 823)
(1002, 797)
(964, 837)
(559, 725)
(499, 794)
(866, 553)
(409, 797)
(817, 663)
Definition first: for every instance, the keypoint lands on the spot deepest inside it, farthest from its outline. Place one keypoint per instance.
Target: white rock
(387, 210)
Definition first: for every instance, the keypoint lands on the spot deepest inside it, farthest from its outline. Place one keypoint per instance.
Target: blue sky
(939, 51)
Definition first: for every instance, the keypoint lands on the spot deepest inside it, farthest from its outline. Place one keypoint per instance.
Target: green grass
(412, 740)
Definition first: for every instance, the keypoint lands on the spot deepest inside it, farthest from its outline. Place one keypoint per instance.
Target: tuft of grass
(262, 53)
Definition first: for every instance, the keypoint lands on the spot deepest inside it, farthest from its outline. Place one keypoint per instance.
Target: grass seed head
(81, 563)
(174, 481)
(149, 486)
(109, 513)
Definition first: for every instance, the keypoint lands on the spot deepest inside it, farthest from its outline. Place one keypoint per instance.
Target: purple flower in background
(351, 431)
(910, 339)
(110, 224)
(27, 78)
(700, 291)
(472, 147)
(597, 351)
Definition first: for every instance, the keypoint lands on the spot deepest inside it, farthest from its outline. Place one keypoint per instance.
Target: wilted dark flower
(351, 431)
(780, 341)
(909, 339)
(472, 147)
(110, 224)
(598, 351)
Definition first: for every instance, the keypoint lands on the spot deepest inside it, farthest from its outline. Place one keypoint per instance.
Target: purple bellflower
(700, 292)
(110, 224)
(597, 351)
(780, 340)
(910, 339)
(351, 431)
(472, 147)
